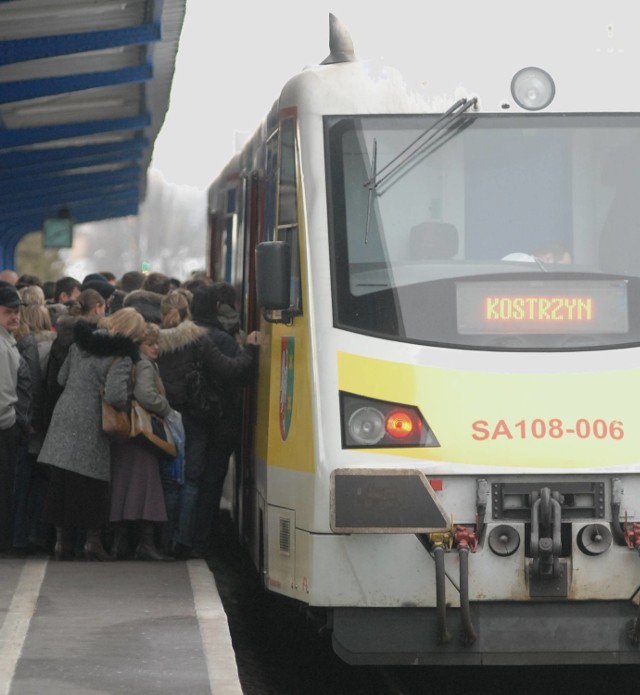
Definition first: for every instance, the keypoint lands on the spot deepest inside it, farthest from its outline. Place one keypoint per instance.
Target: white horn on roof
(340, 43)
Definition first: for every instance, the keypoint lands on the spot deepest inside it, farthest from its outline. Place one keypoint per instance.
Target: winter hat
(95, 281)
(204, 305)
(9, 295)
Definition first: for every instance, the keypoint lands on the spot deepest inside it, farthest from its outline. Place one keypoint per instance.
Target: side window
(271, 188)
(288, 227)
(229, 244)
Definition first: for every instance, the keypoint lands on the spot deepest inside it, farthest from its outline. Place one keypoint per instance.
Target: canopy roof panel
(84, 90)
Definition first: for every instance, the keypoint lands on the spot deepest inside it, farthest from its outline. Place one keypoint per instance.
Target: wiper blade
(541, 264)
(374, 165)
(447, 125)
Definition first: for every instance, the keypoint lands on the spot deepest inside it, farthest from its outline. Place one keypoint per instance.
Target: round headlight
(533, 89)
(366, 426)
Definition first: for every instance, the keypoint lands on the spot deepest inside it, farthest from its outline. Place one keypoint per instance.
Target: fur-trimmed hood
(179, 337)
(96, 341)
(146, 303)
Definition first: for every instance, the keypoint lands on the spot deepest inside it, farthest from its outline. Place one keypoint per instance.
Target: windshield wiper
(374, 165)
(541, 264)
(447, 125)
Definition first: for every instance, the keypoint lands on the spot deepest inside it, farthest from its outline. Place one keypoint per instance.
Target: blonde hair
(126, 322)
(151, 334)
(34, 315)
(174, 308)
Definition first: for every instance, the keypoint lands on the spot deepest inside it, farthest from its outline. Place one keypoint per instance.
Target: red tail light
(400, 424)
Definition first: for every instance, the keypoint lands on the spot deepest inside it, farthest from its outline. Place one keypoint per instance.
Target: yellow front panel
(517, 420)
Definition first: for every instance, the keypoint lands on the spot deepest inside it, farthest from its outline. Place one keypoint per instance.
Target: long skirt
(75, 500)
(136, 486)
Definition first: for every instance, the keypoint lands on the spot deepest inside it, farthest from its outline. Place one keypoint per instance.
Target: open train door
(246, 471)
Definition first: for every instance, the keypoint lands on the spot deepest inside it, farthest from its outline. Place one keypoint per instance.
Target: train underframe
(546, 574)
(585, 632)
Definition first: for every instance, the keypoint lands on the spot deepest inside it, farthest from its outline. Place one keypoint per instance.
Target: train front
(489, 265)
(477, 370)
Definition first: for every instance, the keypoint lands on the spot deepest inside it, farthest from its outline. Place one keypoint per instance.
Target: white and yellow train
(442, 447)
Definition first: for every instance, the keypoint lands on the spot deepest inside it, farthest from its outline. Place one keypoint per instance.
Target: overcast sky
(234, 57)
(232, 62)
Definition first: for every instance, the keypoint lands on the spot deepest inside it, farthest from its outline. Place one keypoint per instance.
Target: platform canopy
(84, 90)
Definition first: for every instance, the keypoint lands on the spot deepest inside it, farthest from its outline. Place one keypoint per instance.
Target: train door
(245, 485)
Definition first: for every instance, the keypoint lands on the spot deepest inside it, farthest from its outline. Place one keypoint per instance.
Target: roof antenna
(340, 43)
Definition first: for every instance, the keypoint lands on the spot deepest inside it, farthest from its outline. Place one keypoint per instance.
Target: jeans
(181, 500)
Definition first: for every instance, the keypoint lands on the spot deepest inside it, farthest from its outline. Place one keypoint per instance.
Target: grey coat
(148, 389)
(75, 440)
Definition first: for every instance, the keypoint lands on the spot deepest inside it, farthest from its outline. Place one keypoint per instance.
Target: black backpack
(203, 392)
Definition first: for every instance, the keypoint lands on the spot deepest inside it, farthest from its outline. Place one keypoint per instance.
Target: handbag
(116, 424)
(151, 431)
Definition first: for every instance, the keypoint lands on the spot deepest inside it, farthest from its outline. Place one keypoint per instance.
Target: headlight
(533, 89)
(366, 426)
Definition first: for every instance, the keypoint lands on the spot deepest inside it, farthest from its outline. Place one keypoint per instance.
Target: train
(441, 449)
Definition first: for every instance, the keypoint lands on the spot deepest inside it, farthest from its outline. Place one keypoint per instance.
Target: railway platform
(118, 627)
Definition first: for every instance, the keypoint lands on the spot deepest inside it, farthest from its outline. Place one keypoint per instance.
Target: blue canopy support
(21, 90)
(31, 136)
(17, 164)
(20, 50)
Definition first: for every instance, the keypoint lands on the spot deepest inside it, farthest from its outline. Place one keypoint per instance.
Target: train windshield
(497, 231)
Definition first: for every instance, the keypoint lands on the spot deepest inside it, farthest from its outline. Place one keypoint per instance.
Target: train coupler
(547, 573)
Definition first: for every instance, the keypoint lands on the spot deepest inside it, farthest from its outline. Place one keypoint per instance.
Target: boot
(62, 549)
(146, 549)
(93, 549)
(120, 547)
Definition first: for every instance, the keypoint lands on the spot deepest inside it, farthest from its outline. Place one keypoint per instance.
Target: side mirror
(273, 277)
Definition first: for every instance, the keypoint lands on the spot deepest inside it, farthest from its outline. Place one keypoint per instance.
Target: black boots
(63, 549)
(93, 549)
(146, 549)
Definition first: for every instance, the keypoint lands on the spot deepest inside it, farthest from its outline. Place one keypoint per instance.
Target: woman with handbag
(98, 365)
(136, 487)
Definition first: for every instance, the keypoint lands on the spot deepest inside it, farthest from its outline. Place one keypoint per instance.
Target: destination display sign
(538, 306)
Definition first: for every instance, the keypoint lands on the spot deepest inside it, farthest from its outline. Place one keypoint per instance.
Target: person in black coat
(225, 430)
(188, 355)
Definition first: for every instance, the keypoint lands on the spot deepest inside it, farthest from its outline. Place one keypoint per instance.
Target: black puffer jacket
(205, 313)
(179, 350)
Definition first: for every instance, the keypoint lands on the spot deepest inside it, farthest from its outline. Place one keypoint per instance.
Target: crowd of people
(66, 347)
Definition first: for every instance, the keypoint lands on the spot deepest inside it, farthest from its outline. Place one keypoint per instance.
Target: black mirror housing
(273, 275)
